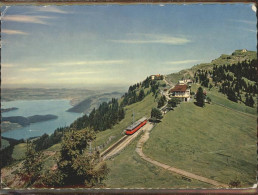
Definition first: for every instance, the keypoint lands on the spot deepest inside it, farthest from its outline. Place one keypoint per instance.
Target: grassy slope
(51, 160)
(220, 98)
(227, 59)
(4, 143)
(174, 77)
(128, 170)
(197, 139)
(140, 109)
(19, 151)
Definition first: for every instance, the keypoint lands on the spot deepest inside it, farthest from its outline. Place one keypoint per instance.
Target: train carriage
(135, 126)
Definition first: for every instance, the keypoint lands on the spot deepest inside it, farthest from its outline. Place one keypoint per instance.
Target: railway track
(120, 144)
(113, 146)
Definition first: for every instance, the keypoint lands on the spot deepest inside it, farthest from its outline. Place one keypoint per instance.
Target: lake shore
(37, 108)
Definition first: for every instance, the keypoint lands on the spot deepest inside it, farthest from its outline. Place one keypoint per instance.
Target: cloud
(13, 32)
(153, 39)
(51, 9)
(91, 80)
(254, 8)
(26, 19)
(251, 30)
(244, 21)
(182, 62)
(6, 65)
(17, 81)
(33, 69)
(93, 62)
(74, 73)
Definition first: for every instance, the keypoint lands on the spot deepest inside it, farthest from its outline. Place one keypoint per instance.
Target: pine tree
(200, 97)
(246, 99)
(141, 95)
(251, 101)
(121, 113)
(231, 95)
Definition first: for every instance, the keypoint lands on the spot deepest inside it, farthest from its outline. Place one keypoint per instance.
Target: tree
(121, 113)
(173, 102)
(200, 97)
(141, 95)
(161, 101)
(76, 165)
(42, 142)
(231, 95)
(156, 113)
(32, 166)
(251, 101)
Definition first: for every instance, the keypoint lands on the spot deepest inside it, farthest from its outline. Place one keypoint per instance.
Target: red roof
(180, 88)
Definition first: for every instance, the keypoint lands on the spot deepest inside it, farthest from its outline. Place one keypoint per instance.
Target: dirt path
(140, 144)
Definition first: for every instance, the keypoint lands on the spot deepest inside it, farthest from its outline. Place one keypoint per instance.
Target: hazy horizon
(114, 46)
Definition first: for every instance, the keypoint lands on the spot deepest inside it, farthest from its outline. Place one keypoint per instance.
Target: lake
(39, 107)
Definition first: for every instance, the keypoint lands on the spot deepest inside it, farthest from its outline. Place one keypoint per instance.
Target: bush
(173, 102)
(236, 183)
(156, 113)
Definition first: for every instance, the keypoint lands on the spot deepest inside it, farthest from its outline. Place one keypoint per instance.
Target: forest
(237, 81)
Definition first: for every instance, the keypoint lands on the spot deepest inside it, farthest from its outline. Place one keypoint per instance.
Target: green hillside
(221, 99)
(235, 57)
(128, 170)
(19, 151)
(4, 143)
(213, 142)
(139, 109)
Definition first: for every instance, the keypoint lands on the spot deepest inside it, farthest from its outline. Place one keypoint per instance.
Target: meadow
(221, 99)
(128, 170)
(213, 142)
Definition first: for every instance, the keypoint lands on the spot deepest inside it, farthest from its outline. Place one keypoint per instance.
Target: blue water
(39, 107)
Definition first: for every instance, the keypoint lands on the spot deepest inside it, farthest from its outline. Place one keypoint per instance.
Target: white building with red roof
(181, 91)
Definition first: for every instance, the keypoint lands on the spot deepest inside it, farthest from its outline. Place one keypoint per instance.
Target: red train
(135, 126)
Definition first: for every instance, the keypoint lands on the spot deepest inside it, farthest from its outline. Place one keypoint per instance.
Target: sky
(101, 46)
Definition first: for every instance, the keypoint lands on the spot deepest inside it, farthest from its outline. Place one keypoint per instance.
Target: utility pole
(90, 147)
